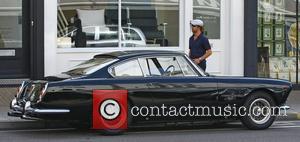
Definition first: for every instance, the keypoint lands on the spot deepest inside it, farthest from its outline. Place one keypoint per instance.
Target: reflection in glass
(128, 69)
(277, 39)
(94, 23)
(86, 23)
(158, 20)
(209, 12)
(95, 36)
(11, 24)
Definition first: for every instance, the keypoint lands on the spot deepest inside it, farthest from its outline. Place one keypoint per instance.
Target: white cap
(197, 22)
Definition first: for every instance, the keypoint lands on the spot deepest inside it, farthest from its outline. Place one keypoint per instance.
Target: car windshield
(90, 66)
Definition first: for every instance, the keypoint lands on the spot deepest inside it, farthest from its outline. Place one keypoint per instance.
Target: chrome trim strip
(13, 103)
(21, 89)
(109, 69)
(14, 106)
(51, 110)
(29, 109)
(29, 118)
(201, 72)
(17, 108)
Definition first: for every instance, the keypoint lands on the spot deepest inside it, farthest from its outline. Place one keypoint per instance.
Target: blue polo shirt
(199, 46)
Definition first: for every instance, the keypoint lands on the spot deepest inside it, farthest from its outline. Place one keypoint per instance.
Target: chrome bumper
(285, 107)
(30, 110)
(16, 110)
(29, 113)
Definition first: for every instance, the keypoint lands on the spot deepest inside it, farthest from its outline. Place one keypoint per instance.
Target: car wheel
(259, 113)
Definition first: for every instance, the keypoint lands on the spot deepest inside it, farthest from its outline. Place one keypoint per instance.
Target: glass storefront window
(11, 24)
(87, 23)
(209, 12)
(95, 23)
(277, 39)
(156, 21)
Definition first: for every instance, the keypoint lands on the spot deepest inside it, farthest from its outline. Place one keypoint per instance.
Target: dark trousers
(202, 65)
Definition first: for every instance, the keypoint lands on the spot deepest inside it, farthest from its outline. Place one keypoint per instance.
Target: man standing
(200, 48)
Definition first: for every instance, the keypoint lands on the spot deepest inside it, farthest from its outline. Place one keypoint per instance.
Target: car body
(151, 78)
(104, 36)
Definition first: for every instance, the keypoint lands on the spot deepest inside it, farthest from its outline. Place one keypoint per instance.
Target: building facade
(248, 37)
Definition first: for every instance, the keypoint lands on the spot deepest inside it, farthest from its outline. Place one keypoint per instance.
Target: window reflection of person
(80, 37)
(200, 48)
(292, 38)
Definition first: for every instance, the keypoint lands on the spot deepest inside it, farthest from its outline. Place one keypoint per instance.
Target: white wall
(228, 51)
(50, 61)
(236, 38)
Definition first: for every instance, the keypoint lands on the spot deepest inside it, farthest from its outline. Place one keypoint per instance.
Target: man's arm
(206, 55)
(208, 52)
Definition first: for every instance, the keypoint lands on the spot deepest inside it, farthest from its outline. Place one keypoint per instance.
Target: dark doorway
(14, 52)
(22, 39)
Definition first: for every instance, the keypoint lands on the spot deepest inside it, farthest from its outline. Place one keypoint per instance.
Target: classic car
(103, 36)
(144, 79)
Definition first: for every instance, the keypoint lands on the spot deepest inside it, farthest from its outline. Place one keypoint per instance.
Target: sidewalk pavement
(7, 122)
(294, 103)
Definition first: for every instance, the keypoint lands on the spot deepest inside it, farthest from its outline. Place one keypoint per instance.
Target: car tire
(253, 105)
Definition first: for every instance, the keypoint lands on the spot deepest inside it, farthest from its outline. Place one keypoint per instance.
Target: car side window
(148, 67)
(186, 67)
(161, 66)
(127, 69)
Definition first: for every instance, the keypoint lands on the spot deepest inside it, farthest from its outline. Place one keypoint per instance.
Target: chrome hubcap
(260, 111)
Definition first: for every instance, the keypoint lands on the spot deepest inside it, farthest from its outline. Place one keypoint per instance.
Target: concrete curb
(291, 116)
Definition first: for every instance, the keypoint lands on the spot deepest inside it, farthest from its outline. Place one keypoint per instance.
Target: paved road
(286, 131)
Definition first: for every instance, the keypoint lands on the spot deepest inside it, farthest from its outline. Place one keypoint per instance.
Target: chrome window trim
(200, 71)
(138, 59)
(197, 70)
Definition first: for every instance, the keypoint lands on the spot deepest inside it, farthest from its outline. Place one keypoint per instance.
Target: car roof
(136, 53)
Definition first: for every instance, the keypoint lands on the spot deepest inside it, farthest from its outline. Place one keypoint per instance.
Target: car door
(129, 76)
(175, 83)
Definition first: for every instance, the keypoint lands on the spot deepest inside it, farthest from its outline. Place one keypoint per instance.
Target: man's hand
(198, 60)
(206, 55)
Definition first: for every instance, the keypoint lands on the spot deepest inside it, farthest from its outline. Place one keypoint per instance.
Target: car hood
(257, 80)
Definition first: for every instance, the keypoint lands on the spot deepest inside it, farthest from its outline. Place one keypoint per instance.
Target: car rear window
(91, 66)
